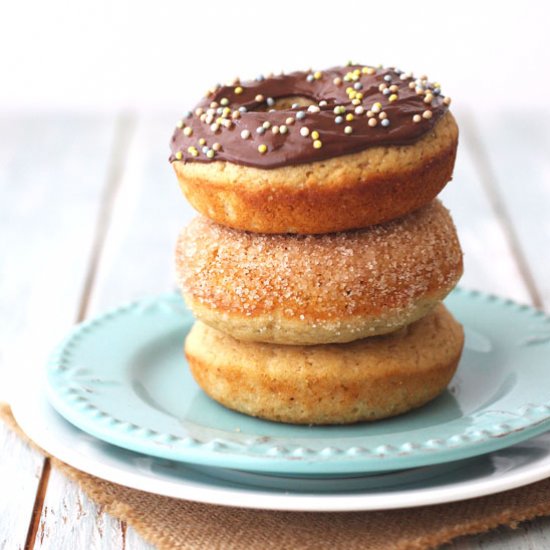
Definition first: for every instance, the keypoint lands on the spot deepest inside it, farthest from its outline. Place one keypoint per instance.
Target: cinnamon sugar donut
(354, 146)
(316, 289)
(328, 384)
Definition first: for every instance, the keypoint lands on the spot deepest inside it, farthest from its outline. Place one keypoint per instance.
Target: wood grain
(92, 223)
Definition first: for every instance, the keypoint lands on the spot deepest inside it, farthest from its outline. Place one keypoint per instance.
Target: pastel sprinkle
(339, 119)
(188, 131)
(179, 124)
(300, 115)
(245, 134)
(427, 114)
(179, 155)
(417, 118)
(262, 148)
(304, 131)
(385, 122)
(315, 134)
(216, 146)
(238, 90)
(317, 144)
(289, 121)
(210, 154)
(348, 130)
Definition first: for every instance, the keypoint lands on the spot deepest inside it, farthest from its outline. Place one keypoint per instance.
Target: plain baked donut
(316, 289)
(329, 384)
(372, 145)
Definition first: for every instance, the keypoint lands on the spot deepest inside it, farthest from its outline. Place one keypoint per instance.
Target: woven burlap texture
(172, 524)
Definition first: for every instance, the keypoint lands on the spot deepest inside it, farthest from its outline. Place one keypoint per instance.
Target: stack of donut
(317, 269)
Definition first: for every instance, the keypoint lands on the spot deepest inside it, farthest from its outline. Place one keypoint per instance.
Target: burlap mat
(177, 524)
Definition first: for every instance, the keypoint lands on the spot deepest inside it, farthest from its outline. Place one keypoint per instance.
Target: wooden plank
(148, 214)
(49, 173)
(20, 470)
(532, 535)
(489, 264)
(70, 520)
(511, 163)
(512, 152)
(135, 542)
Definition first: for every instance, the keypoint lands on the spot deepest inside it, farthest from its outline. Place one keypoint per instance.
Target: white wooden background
(89, 212)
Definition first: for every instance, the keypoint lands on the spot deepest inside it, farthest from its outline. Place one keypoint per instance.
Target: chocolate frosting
(351, 109)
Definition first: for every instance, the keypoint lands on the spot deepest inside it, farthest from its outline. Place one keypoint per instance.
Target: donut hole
(285, 103)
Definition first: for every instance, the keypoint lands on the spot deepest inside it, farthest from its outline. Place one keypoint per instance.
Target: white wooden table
(89, 213)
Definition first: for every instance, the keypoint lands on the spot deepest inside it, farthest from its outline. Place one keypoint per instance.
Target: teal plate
(122, 378)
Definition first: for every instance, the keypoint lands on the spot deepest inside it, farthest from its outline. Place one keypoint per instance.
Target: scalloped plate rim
(269, 458)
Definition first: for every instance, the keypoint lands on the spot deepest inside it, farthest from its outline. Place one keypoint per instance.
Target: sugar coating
(353, 283)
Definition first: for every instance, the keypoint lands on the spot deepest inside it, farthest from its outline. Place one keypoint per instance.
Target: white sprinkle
(304, 131)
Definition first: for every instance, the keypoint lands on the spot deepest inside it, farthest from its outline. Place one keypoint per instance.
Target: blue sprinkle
(385, 122)
(436, 91)
(243, 109)
(188, 114)
(219, 110)
(358, 86)
(339, 119)
(260, 77)
(260, 130)
(398, 71)
(387, 78)
(310, 78)
(270, 101)
(295, 105)
(205, 149)
(386, 91)
(300, 115)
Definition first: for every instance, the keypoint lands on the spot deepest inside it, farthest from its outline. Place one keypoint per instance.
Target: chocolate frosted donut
(316, 152)
(316, 289)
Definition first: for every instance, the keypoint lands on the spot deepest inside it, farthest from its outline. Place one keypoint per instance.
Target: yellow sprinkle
(210, 154)
(315, 134)
(377, 107)
(226, 111)
(193, 151)
(179, 155)
(317, 144)
(317, 75)
(352, 94)
(356, 101)
(202, 141)
(224, 101)
(359, 95)
(427, 114)
(357, 72)
(262, 148)
(188, 131)
(348, 130)
(349, 117)
(179, 124)
(392, 98)
(238, 90)
(349, 89)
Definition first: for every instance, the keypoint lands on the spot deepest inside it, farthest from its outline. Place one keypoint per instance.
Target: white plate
(492, 473)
